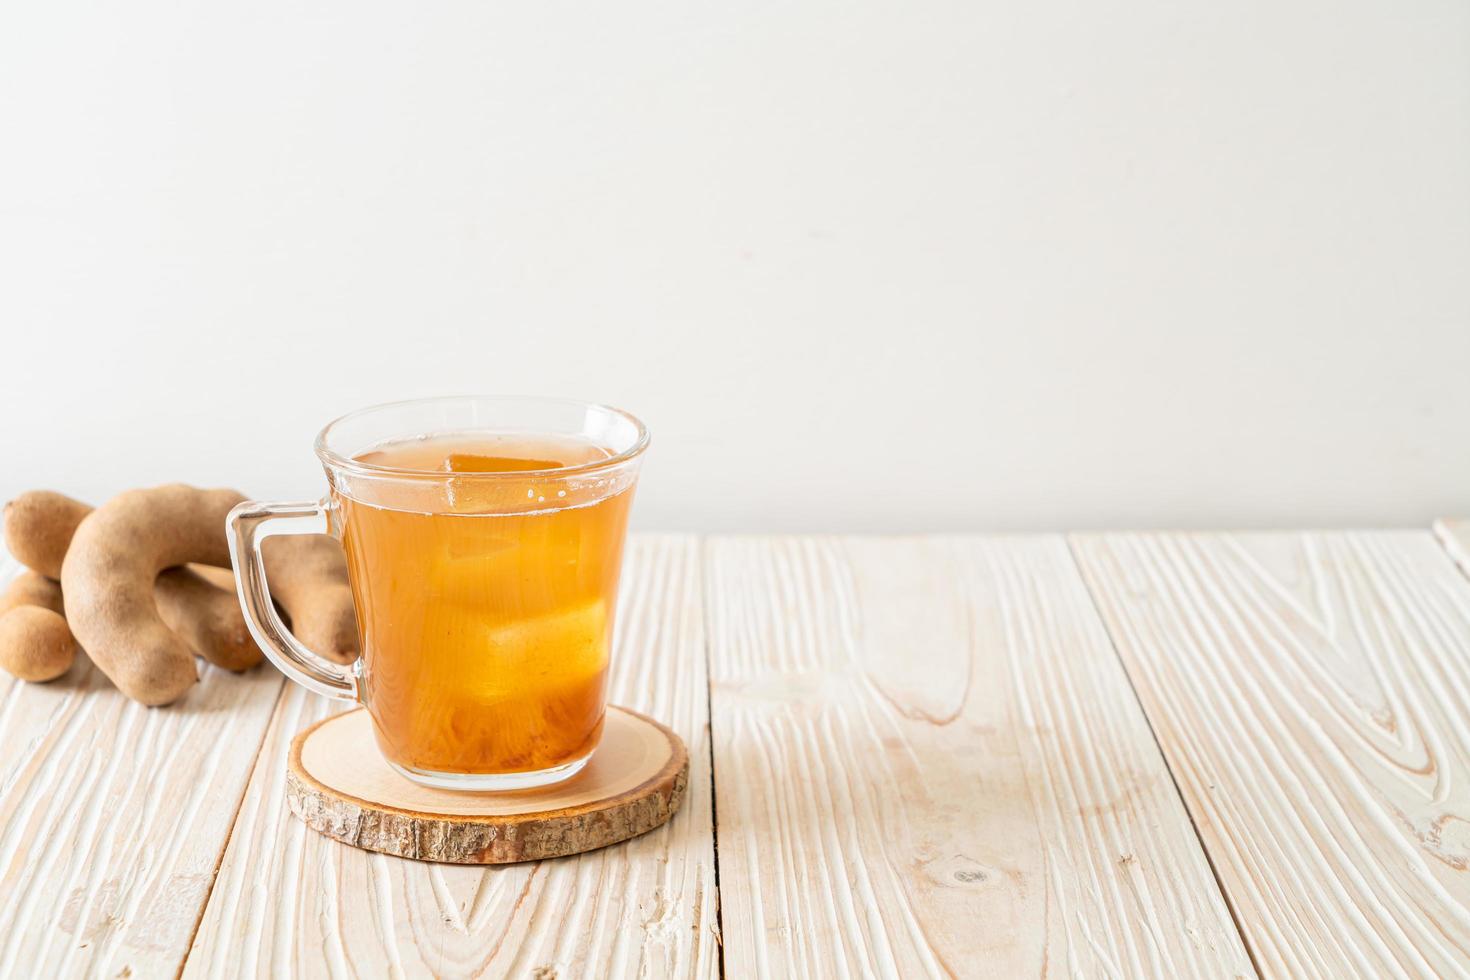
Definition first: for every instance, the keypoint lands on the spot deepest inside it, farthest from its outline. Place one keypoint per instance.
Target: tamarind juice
(486, 605)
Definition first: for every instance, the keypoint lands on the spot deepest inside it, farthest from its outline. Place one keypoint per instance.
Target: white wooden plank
(1312, 694)
(1454, 535)
(929, 762)
(290, 902)
(113, 816)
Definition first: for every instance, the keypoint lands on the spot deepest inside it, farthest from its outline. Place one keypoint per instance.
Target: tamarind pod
(31, 589)
(207, 617)
(35, 642)
(38, 527)
(308, 577)
(108, 576)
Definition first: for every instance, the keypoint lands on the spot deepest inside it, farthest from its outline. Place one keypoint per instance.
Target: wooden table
(1107, 756)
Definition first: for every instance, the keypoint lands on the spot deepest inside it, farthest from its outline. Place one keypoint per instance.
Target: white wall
(861, 265)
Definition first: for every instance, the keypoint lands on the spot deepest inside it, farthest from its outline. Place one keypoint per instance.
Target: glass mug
(484, 539)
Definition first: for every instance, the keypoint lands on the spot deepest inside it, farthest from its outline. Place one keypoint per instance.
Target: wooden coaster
(339, 784)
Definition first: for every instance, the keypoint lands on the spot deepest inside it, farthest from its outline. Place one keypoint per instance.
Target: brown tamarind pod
(39, 526)
(31, 589)
(206, 616)
(108, 575)
(308, 577)
(35, 642)
(198, 601)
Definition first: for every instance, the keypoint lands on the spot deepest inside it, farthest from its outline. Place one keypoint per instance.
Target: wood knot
(957, 869)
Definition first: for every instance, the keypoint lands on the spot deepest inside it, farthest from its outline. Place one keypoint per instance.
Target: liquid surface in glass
(486, 605)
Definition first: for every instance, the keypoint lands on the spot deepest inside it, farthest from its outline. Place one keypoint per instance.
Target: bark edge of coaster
(339, 784)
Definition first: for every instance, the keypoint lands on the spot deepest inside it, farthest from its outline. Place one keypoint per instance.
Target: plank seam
(709, 685)
(1092, 598)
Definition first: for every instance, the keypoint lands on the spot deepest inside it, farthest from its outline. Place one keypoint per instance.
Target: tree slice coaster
(339, 784)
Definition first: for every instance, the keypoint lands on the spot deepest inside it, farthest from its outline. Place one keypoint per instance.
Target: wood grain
(339, 784)
(113, 816)
(930, 762)
(290, 902)
(1312, 694)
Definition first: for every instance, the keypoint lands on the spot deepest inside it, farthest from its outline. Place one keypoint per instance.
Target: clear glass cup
(485, 596)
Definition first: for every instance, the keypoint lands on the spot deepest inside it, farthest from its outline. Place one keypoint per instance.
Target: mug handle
(248, 525)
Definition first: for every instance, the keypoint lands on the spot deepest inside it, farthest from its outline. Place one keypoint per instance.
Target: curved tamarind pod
(35, 642)
(206, 616)
(115, 556)
(308, 577)
(39, 526)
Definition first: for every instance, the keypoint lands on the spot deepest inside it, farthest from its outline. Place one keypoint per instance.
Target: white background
(860, 265)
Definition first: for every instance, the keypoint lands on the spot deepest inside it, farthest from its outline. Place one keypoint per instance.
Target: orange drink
(488, 625)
